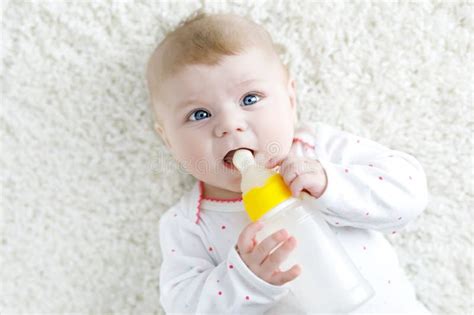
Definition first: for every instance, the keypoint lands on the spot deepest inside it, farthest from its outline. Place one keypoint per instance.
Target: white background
(85, 179)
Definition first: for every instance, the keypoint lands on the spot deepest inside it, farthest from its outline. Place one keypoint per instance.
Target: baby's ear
(292, 91)
(161, 131)
(292, 96)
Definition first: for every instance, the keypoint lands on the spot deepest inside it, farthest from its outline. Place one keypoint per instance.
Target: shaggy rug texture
(85, 179)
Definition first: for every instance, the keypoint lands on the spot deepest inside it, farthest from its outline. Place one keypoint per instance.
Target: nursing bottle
(329, 281)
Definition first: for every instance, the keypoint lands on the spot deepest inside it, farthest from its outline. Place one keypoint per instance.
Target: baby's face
(246, 101)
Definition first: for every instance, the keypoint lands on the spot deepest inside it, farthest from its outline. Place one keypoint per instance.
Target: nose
(229, 123)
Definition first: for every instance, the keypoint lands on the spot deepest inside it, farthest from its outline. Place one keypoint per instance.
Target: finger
(283, 277)
(274, 260)
(295, 148)
(290, 170)
(268, 244)
(295, 167)
(246, 243)
(274, 161)
(287, 163)
(311, 182)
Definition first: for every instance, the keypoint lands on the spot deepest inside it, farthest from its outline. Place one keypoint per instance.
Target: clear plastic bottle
(329, 281)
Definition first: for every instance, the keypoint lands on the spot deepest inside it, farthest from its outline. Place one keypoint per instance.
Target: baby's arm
(191, 281)
(369, 186)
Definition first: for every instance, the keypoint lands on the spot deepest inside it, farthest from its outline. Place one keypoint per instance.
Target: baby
(217, 84)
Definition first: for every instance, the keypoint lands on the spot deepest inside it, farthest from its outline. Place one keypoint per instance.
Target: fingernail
(294, 241)
(298, 269)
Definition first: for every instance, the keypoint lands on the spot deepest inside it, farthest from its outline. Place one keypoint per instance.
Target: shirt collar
(197, 202)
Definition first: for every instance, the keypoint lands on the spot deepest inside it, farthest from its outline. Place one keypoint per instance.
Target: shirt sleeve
(192, 282)
(369, 186)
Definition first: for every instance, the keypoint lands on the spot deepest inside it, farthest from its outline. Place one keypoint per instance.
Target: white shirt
(371, 191)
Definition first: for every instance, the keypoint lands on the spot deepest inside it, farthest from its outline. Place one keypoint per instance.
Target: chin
(233, 186)
(224, 184)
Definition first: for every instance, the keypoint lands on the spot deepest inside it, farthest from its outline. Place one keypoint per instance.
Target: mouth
(230, 155)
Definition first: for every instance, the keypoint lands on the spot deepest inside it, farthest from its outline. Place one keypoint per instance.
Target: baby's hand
(301, 173)
(257, 257)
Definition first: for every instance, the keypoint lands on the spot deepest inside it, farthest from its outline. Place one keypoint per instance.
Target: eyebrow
(248, 81)
(183, 105)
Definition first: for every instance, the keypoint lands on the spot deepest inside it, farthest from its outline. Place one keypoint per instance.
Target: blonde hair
(204, 38)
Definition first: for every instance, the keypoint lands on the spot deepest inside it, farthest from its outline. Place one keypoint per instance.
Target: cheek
(191, 152)
(276, 132)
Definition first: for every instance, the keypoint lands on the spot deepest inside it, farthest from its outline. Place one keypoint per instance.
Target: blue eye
(200, 114)
(250, 99)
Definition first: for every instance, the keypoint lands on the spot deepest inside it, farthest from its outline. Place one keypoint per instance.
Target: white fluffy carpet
(85, 179)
